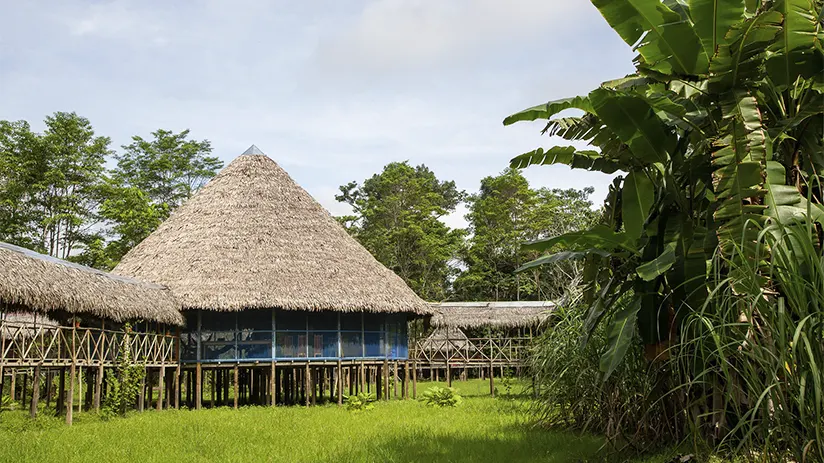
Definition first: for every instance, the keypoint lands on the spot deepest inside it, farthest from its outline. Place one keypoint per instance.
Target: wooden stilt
(236, 388)
(25, 390)
(70, 396)
(61, 392)
(448, 375)
(141, 396)
(35, 392)
(177, 386)
(212, 387)
(306, 384)
(405, 379)
(395, 379)
(13, 386)
(198, 385)
(414, 379)
(339, 383)
(386, 379)
(2, 381)
(161, 379)
(98, 388)
(48, 387)
(273, 384)
(491, 379)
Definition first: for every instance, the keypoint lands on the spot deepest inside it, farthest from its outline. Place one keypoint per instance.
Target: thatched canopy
(519, 314)
(35, 282)
(444, 339)
(253, 238)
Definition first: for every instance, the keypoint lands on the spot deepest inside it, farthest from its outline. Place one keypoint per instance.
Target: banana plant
(718, 132)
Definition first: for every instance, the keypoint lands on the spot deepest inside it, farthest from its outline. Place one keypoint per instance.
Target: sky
(331, 90)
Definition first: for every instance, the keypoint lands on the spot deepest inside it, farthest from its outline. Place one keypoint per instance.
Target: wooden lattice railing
(28, 344)
(502, 351)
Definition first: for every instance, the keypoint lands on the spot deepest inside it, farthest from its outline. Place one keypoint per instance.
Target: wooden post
(177, 386)
(491, 379)
(386, 379)
(48, 387)
(405, 379)
(339, 383)
(448, 375)
(25, 388)
(141, 396)
(161, 380)
(235, 390)
(198, 385)
(307, 384)
(61, 391)
(70, 396)
(35, 391)
(2, 377)
(273, 385)
(414, 379)
(98, 387)
(72, 376)
(13, 386)
(395, 380)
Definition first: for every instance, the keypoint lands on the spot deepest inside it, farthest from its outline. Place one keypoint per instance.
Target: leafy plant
(123, 386)
(441, 397)
(360, 402)
(719, 130)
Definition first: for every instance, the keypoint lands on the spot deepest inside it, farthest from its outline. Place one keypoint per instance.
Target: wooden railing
(29, 344)
(502, 351)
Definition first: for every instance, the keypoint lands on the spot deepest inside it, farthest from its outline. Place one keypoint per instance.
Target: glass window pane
(291, 344)
(324, 344)
(188, 346)
(258, 319)
(323, 320)
(374, 344)
(350, 321)
(352, 344)
(254, 335)
(288, 320)
(217, 351)
(255, 351)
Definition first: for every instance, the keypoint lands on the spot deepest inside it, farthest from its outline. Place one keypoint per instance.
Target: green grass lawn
(479, 429)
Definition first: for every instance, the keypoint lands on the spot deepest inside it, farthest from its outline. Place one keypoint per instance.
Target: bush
(362, 401)
(441, 397)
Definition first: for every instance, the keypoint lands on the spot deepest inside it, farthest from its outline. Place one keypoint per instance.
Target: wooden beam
(339, 383)
(198, 385)
(414, 379)
(35, 392)
(70, 396)
(405, 379)
(235, 391)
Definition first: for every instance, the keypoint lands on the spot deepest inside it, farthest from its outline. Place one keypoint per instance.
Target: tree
(397, 218)
(22, 166)
(168, 169)
(152, 178)
(503, 214)
(719, 131)
(69, 188)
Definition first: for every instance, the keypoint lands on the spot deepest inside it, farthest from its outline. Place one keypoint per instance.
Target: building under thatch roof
(33, 282)
(445, 340)
(252, 238)
(520, 314)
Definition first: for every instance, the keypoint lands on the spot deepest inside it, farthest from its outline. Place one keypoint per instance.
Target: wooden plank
(35, 394)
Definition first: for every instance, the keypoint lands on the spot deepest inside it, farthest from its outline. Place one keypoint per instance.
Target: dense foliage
(504, 213)
(711, 243)
(57, 197)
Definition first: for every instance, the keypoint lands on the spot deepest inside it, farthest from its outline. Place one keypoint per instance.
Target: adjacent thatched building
(39, 284)
(500, 315)
(264, 272)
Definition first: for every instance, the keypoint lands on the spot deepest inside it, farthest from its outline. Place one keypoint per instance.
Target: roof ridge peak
(253, 151)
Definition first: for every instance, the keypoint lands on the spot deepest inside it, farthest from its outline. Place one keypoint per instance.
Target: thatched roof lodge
(252, 253)
(36, 283)
(505, 315)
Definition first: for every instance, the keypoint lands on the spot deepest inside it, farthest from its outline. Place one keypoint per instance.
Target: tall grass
(750, 359)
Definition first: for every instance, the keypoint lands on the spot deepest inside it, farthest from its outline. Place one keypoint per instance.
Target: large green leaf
(567, 155)
(619, 336)
(794, 54)
(651, 270)
(740, 58)
(598, 237)
(562, 256)
(713, 18)
(636, 200)
(665, 40)
(784, 202)
(547, 110)
(634, 121)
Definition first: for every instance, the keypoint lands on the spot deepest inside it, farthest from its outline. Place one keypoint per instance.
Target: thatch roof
(253, 238)
(491, 314)
(444, 339)
(38, 283)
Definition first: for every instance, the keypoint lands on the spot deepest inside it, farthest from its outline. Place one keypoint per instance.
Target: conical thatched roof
(518, 314)
(38, 283)
(253, 238)
(444, 339)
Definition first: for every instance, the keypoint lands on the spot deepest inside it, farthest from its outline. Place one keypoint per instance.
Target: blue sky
(330, 90)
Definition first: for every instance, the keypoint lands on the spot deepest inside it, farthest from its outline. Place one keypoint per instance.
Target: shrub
(441, 397)
(360, 402)
(123, 386)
